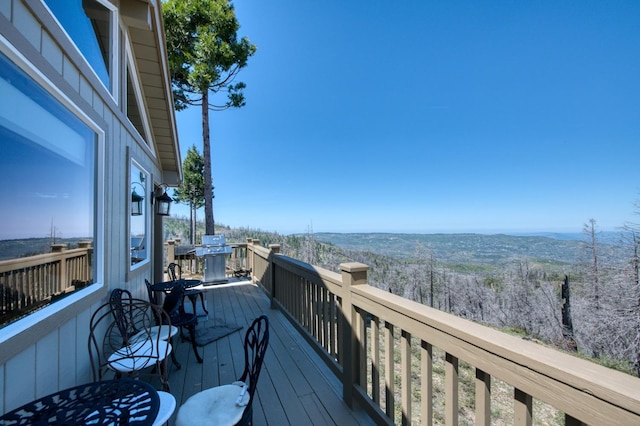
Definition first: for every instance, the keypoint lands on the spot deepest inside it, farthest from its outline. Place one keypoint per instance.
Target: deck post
(250, 253)
(273, 250)
(61, 285)
(353, 273)
(170, 250)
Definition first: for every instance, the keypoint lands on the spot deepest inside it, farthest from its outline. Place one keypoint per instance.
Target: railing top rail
(544, 373)
(315, 274)
(40, 259)
(262, 251)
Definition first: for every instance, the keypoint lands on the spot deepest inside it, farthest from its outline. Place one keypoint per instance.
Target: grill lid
(213, 244)
(213, 240)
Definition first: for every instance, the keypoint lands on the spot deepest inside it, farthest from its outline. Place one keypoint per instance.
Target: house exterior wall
(49, 351)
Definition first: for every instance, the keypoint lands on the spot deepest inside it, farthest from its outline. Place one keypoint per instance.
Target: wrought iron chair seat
(163, 332)
(138, 355)
(221, 405)
(231, 404)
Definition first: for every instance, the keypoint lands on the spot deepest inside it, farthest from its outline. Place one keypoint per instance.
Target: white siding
(20, 379)
(47, 364)
(58, 357)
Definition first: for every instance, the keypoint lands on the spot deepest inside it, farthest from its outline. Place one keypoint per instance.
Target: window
(48, 221)
(91, 26)
(134, 99)
(138, 209)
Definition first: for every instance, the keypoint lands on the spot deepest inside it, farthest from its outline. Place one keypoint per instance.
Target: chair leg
(192, 333)
(202, 301)
(173, 356)
(192, 298)
(164, 377)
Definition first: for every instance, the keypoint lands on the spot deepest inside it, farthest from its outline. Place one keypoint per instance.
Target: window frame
(148, 210)
(66, 307)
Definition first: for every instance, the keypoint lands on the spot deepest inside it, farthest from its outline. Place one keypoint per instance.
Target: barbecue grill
(213, 250)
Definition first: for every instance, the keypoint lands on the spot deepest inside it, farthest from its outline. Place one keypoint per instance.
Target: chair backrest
(173, 301)
(119, 301)
(172, 268)
(150, 293)
(255, 345)
(111, 320)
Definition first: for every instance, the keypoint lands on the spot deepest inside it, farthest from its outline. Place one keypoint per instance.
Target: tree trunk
(192, 223)
(431, 280)
(594, 253)
(208, 182)
(567, 324)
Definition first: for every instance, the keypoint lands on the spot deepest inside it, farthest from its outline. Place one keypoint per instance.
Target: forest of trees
(590, 306)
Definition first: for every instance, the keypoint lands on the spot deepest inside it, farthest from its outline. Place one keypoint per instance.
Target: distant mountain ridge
(483, 249)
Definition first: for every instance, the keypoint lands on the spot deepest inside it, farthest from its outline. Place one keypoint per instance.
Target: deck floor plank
(295, 387)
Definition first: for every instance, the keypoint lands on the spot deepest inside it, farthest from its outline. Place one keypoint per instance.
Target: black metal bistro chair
(124, 340)
(173, 306)
(231, 404)
(175, 274)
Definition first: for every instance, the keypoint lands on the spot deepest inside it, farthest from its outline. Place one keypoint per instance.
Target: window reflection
(88, 23)
(138, 211)
(47, 227)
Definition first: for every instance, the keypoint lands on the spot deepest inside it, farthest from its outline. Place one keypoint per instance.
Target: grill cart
(214, 251)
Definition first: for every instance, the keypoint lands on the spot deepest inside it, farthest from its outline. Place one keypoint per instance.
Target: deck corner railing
(384, 348)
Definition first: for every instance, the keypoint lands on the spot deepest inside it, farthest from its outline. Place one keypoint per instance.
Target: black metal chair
(171, 270)
(173, 306)
(175, 274)
(173, 329)
(234, 402)
(124, 340)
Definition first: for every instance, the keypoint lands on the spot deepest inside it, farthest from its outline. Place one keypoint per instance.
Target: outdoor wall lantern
(136, 203)
(163, 203)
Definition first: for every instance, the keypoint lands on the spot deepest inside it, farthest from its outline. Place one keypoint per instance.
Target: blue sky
(430, 116)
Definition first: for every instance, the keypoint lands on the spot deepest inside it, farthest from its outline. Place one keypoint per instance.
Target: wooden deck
(295, 386)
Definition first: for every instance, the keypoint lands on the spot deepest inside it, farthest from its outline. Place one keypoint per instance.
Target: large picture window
(48, 219)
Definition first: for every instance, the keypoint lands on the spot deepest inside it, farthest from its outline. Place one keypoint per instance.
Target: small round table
(109, 402)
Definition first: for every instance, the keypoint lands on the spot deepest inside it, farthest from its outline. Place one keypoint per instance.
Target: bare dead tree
(590, 231)
(567, 323)
(431, 279)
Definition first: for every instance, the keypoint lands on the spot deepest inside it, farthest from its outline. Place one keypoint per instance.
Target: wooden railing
(383, 347)
(29, 283)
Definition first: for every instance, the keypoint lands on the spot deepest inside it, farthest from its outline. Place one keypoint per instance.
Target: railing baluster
(375, 359)
(405, 368)
(307, 305)
(316, 311)
(451, 389)
(426, 383)
(483, 398)
(389, 370)
(522, 408)
(339, 331)
(320, 309)
(361, 354)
